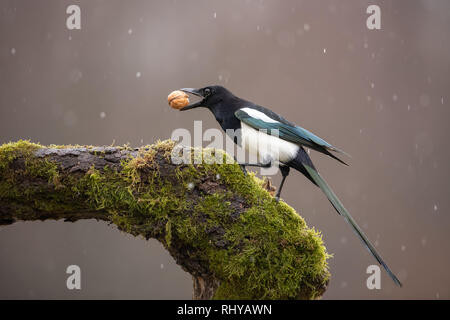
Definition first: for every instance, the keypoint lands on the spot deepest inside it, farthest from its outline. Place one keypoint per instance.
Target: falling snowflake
(435, 207)
(13, 51)
(215, 15)
(102, 115)
(138, 74)
(424, 241)
(130, 31)
(306, 27)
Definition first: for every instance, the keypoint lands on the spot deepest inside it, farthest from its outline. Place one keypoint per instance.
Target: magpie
(254, 126)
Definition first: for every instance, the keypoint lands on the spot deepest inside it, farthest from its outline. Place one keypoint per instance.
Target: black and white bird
(255, 126)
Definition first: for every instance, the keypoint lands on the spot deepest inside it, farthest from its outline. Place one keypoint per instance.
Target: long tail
(337, 204)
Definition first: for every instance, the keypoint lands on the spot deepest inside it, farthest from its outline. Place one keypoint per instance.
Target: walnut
(178, 99)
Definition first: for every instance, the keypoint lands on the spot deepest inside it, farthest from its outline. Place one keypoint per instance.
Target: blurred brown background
(383, 96)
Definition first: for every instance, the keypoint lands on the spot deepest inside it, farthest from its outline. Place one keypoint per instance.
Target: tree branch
(221, 226)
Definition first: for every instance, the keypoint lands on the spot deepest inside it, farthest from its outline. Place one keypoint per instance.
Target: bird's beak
(195, 92)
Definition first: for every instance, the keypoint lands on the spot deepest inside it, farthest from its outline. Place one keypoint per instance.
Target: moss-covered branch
(221, 226)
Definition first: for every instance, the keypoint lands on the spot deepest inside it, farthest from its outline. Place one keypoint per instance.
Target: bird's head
(212, 97)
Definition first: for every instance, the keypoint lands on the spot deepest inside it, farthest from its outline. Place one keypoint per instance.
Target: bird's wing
(337, 204)
(261, 121)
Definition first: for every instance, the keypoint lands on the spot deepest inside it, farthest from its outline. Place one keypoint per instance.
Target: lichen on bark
(220, 225)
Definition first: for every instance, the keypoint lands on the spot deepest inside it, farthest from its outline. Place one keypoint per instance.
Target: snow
(102, 115)
(423, 241)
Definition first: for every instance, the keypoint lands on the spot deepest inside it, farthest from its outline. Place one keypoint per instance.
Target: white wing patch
(258, 115)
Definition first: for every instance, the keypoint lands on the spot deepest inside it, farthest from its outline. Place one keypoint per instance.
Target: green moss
(10, 151)
(265, 251)
(270, 252)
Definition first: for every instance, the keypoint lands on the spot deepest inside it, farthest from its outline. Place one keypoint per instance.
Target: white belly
(267, 147)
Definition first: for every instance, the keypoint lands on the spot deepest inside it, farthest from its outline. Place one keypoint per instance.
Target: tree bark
(197, 212)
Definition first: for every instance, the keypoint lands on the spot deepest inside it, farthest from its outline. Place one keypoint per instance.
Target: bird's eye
(207, 91)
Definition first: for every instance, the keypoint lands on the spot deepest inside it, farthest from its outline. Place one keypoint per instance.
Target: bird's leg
(284, 172)
(261, 165)
(242, 166)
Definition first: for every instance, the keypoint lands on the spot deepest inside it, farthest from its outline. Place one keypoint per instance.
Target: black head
(213, 97)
